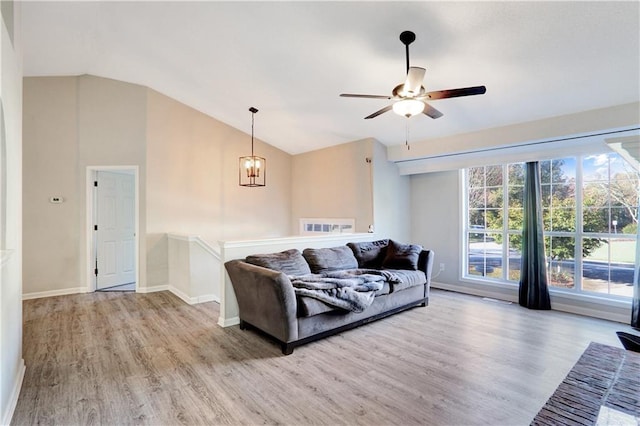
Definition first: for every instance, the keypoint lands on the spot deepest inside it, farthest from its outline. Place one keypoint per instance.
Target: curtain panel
(534, 290)
(635, 303)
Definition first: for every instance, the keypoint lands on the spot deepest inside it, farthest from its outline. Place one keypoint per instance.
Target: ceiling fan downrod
(407, 37)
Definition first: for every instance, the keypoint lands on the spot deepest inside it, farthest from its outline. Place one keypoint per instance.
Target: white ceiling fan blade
(414, 81)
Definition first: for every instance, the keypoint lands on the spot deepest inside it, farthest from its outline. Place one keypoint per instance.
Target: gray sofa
(291, 296)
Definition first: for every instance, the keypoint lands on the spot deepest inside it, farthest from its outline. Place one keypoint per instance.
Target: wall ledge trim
(295, 240)
(197, 240)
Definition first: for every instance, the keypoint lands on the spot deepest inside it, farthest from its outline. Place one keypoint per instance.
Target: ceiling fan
(410, 97)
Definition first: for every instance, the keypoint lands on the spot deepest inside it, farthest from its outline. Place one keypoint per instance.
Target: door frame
(90, 219)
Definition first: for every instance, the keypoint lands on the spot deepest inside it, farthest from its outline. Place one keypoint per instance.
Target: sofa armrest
(425, 264)
(265, 298)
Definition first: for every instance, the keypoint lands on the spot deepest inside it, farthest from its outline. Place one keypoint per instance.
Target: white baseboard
(15, 393)
(52, 293)
(186, 298)
(152, 289)
(228, 322)
(193, 300)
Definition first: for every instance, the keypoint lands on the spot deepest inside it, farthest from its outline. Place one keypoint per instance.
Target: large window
(590, 215)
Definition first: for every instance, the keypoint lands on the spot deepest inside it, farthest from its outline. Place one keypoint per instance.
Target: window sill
(582, 304)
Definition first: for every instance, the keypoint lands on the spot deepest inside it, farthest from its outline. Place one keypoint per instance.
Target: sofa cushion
(402, 256)
(370, 254)
(408, 278)
(330, 259)
(309, 306)
(288, 262)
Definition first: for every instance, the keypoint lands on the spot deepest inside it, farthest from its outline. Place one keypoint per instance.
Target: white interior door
(115, 229)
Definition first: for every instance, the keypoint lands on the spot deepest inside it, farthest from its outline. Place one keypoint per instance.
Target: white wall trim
(152, 289)
(193, 300)
(337, 238)
(197, 240)
(15, 393)
(531, 151)
(53, 293)
(5, 255)
(228, 322)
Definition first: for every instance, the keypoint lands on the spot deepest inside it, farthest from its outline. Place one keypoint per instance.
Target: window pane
(476, 177)
(485, 255)
(563, 196)
(595, 220)
(516, 174)
(494, 176)
(515, 219)
(476, 219)
(545, 172)
(560, 261)
(514, 258)
(546, 195)
(608, 266)
(562, 220)
(620, 217)
(477, 198)
(596, 168)
(595, 194)
(516, 196)
(494, 219)
(494, 197)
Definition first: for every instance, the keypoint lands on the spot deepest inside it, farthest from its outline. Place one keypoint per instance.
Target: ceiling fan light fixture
(408, 107)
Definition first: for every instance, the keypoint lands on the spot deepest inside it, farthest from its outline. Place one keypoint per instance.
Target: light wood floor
(127, 358)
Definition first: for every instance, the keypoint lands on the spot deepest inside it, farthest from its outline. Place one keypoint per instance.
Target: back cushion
(330, 259)
(402, 256)
(370, 254)
(288, 262)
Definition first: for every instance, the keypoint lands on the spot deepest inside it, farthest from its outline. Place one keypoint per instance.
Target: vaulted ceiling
(291, 60)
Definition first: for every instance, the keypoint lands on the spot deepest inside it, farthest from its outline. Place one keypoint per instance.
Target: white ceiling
(291, 60)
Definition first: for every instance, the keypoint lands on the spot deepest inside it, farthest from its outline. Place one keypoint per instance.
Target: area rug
(603, 387)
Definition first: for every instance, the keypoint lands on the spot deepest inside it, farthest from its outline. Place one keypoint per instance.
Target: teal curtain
(534, 290)
(635, 303)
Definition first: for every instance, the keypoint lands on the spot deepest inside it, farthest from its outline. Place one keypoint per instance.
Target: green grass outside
(621, 251)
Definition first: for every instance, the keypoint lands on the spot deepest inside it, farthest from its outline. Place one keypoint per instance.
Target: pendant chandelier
(252, 169)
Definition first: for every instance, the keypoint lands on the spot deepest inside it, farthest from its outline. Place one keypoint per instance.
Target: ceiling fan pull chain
(406, 139)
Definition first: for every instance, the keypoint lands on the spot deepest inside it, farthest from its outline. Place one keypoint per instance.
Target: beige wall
(334, 182)
(391, 198)
(435, 219)
(11, 362)
(192, 182)
(188, 176)
(52, 237)
(71, 123)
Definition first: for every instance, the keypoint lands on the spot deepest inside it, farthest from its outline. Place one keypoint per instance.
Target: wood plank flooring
(129, 358)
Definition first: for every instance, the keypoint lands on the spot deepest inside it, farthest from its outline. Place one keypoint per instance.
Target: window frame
(578, 234)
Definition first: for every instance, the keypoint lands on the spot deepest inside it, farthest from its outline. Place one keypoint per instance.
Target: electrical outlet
(441, 267)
